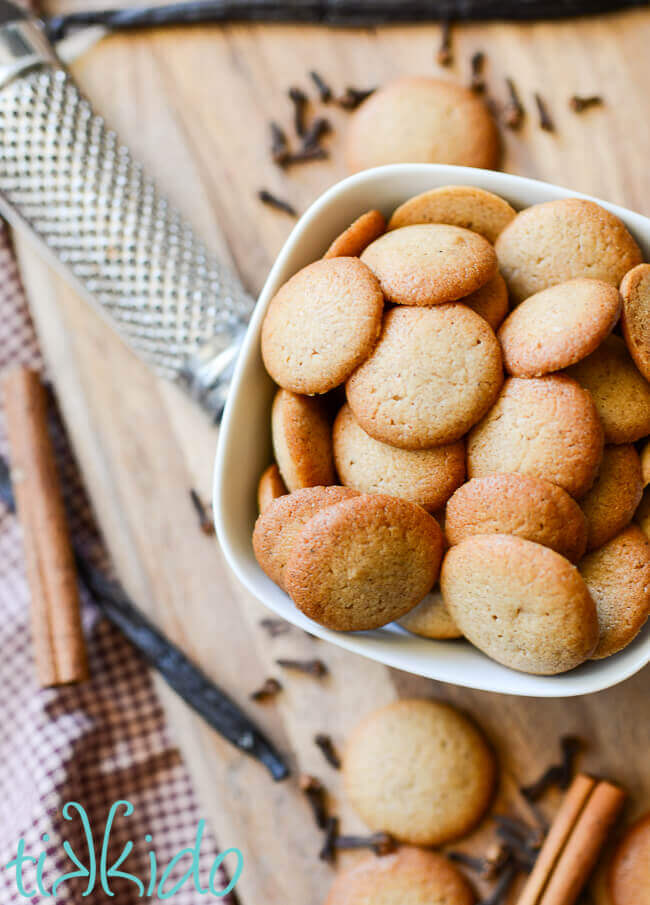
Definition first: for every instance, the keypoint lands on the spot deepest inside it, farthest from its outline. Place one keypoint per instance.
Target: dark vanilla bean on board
(57, 635)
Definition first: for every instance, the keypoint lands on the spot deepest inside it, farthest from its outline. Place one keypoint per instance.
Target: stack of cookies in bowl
(458, 429)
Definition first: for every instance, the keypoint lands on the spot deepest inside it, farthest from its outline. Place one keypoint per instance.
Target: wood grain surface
(194, 104)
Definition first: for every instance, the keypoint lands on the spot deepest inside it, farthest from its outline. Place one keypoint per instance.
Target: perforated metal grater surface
(67, 177)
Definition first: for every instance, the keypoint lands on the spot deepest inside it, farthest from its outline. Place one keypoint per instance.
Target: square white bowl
(245, 443)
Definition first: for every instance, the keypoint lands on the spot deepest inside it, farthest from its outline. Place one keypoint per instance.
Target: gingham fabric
(95, 743)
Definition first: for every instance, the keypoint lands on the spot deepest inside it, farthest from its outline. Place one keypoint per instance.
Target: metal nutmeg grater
(67, 179)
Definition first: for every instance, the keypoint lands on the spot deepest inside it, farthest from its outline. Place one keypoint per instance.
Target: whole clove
(299, 100)
(477, 82)
(490, 865)
(315, 668)
(279, 204)
(319, 127)
(513, 112)
(269, 689)
(521, 841)
(578, 103)
(315, 793)
(558, 775)
(279, 144)
(328, 851)
(206, 524)
(444, 54)
(325, 93)
(305, 155)
(353, 97)
(499, 894)
(275, 627)
(324, 742)
(379, 843)
(545, 120)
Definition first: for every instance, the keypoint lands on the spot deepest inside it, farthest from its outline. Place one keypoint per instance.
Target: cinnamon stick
(59, 648)
(573, 843)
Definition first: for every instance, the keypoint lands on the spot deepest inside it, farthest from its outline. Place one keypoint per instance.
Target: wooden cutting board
(195, 104)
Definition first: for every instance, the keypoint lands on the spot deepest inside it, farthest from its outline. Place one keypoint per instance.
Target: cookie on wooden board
(321, 324)
(629, 869)
(611, 503)
(434, 373)
(364, 562)
(270, 487)
(618, 578)
(427, 477)
(518, 504)
(282, 521)
(458, 205)
(490, 301)
(419, 770)
(635, 321)
(547, 427)
(431, 619)
(302, 440)
(560, 240)
(430, 264)
(409, 876)
(558, 327)
(521, 603)
(621, 393)
(417, 119)
(359, 234)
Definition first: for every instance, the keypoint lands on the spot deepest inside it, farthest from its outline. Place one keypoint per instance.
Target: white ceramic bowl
(245, 444)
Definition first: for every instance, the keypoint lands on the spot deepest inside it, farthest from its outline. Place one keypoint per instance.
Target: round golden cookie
(521, 603)
(635, 320)
(556, 241)
(434, 373)
(618, 578)
(426, 476)
(431, 619)
(547, 427)
(458, 205)
(430, 264)
(364, 562)
(558, 327)
(270, 487)
(357, 236)
(277, 528)
(490, 301)
(621, 393)
(321, 324)
(629, 869)
(422, 120)
(419, 770)
(302, 440)
(521, 505)
(611, 503)
(409, 876)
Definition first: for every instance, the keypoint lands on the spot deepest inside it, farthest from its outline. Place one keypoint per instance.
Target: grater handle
(67, 178)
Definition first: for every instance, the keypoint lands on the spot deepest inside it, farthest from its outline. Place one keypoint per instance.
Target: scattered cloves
(278, 203)
(269, 689)
(328, 851)
(275, 627)
(299, 100)
(477, 83)
(279, 144)
(513, 112)
(379, 843)
(557, 774)
(324, 90)
(444, 55)
(545, 120)
(315, 793)
(324, 742)
(353, 97)
(206, 523)
(578, 103)
(319, 127)
(315, 668)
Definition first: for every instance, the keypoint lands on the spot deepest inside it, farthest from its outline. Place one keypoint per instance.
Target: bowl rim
(581, 681)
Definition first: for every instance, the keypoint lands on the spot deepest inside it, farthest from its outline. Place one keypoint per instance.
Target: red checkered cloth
(95, 743)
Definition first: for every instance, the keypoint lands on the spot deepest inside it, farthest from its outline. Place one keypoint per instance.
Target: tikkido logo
(98, 873)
